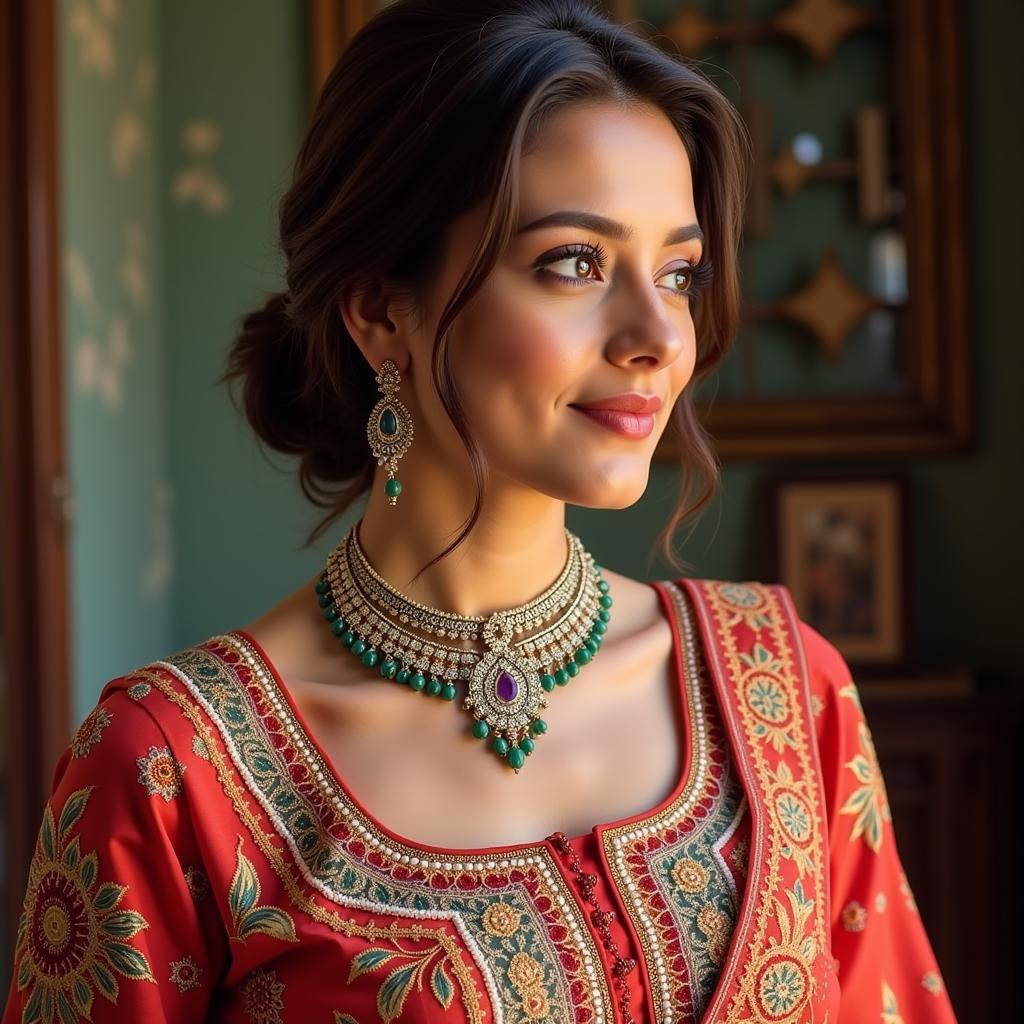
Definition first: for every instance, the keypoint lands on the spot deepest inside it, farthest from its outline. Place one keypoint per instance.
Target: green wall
(230, 109)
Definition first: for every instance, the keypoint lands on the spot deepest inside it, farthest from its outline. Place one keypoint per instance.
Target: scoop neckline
(334, 779)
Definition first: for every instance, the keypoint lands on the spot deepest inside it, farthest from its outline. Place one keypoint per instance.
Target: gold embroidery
(890, 1008)
(248, 916)
(160, 773)
(501, 920)
(263, 997)
(717, 927)
(524, 972)
(869, 802)
(690, 876)
(89, 732)
(185, 974)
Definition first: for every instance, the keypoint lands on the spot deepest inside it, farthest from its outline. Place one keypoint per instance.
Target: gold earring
(389, 429)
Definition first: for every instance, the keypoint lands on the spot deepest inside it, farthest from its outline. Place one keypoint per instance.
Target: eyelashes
(700, 273)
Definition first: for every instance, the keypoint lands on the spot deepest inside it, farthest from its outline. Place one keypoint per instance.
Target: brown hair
(426, 114)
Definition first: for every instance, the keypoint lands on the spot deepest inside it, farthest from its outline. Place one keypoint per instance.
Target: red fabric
(164, 888)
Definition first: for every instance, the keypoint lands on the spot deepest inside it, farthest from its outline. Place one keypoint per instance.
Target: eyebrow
(606, 226)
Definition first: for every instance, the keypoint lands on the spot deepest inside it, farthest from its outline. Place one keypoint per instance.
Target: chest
(615, 746)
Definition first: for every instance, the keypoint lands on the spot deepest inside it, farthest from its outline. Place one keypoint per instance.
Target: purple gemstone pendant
(506, 687)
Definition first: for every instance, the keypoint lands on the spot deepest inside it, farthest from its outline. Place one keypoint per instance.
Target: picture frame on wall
(840, 546)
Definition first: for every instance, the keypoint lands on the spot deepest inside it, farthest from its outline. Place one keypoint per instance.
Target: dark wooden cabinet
(952, 768)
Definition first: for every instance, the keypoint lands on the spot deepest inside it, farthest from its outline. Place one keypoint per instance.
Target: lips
(633, 401)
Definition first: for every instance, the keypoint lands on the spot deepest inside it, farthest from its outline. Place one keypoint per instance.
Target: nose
(644, 332)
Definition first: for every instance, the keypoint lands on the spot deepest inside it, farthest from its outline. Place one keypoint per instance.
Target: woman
(511, 254)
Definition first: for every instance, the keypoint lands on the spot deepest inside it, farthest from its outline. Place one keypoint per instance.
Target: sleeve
(886, 967)
(113, 924)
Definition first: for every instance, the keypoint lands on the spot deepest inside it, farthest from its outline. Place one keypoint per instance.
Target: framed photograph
(841, 548)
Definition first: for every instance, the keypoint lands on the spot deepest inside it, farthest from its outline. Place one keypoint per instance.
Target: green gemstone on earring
(591, 645)
(583, 655)
(359, 646)
(526, 745)
(480, 728)
(500, 746)
(547, 682)
(388, 423)
(538, 726)
(338, 626)
(348, 638)
(393, 488)
(402, 676)
(418, 681)
(448, 693)
(516, 758)
(388, 668)
(322, 586)
(572, 668)
(561, 677)
(434, 687)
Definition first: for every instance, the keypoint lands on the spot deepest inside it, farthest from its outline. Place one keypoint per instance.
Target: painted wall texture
(181, 121)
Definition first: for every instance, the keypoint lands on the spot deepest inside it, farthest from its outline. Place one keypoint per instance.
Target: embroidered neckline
(691, 780)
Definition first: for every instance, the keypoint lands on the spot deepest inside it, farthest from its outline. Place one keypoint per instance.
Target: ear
(370, 320)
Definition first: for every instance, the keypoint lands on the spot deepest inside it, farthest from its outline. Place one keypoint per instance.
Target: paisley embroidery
(90, 731)
(406, 969)
(72, 937)
(869, 802)
(248, 917)
(160, 773)
(138, 690)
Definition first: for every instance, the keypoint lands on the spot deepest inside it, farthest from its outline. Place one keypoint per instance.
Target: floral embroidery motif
(199, 748)
(880, 903)
(248, 917)
(535, 1003)
(138, 690)
(501, 920)
(197, 882)
(89, 732)
(782, 987)
(890, 1008)
(907, 893)
(160, 773)
(718, 928)
(765, 695)
(749, 605)
(817, 705)
(395, 988)
(854, 916)
(690, 876)
(932, 983)
(71, 935)
(185, 974)
(262, 994)
(869, 802)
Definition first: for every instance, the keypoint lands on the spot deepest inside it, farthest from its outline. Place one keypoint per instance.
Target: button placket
(601, 919)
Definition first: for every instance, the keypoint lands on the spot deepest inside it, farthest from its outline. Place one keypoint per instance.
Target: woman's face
(531, 343)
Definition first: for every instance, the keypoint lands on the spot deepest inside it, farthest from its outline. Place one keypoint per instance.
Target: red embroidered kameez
(200, 860)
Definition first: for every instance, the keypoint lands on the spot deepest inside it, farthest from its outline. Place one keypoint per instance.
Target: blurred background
(868, 418)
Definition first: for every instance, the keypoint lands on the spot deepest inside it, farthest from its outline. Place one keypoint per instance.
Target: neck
(514, 551)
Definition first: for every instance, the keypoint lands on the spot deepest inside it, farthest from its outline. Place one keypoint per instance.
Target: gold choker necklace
(505, 684)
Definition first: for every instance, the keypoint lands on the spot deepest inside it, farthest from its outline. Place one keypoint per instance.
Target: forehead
(608, 157)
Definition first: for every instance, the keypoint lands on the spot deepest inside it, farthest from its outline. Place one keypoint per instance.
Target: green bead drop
(599, 627)
(604, 615)
(418, 681)
(500, 746)
(516, 758)
(338, 626)
(603, 586)
(370, 657)
(322, 586)
(583, 655)
(573, 669)
(348, 638)
(526, 745)
(591, 645)
(331, 613)
(480, 729)
(449, 691)
(325, 600)
(359, 646)
(434, 687)
(402, 676)
(547, 682)
(561, 677)
(538, 726)
(393, 488)
(388, 668)
(605, 601)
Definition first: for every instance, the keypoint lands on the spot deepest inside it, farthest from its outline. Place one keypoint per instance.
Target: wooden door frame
(34, 615)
